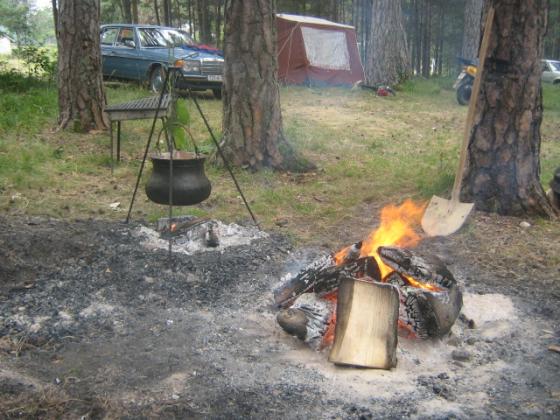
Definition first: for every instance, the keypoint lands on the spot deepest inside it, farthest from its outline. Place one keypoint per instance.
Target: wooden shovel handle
(472, 104)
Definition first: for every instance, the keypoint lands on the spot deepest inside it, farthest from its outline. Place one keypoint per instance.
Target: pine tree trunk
(81, 98)
(387, 59)
(219, 24)
(156, 11)
(252, 121)
(503, 155)
(426, 38)
(167, 12)
(471, 32)
(205, 31)
(127, 11)
(134, 7)
(418, 38)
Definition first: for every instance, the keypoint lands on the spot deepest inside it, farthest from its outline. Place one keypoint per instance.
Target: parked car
(551, 71)
(144, 52)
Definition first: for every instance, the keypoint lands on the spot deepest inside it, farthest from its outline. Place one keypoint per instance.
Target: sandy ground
(94, 323)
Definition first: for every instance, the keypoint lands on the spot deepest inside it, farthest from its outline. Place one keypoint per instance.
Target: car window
(126, 38)
(152, 38)
(177, 38)
(555, 65)
(108, 36)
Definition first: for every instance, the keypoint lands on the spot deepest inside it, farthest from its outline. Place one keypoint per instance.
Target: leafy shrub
(39, 62)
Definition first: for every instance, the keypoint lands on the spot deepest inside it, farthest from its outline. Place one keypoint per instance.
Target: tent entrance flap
(326, 49)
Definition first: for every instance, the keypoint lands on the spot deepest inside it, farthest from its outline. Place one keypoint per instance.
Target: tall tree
(205, 31)
(81, 98)
(387, 60)
(503, 155)
(127, 11)
(252, 122)
(471, 32)
(156, 12)
(167, 12)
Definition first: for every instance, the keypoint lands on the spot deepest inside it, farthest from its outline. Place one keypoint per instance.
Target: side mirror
(129, 43)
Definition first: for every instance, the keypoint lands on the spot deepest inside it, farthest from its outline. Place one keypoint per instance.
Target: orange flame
(396, 229)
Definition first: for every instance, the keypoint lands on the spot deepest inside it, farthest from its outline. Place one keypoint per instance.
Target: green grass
(369, 151)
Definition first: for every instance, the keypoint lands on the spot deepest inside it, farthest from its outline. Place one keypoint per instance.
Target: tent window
(326, 49)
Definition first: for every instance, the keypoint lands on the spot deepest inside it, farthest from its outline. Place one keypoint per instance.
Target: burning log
(430, 299)
(429, 295)
(366, 327)
(323, 276)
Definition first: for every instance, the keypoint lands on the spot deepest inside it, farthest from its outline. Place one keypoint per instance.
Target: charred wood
(323, 276)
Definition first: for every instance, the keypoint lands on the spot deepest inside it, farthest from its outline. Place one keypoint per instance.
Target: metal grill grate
(144, 104)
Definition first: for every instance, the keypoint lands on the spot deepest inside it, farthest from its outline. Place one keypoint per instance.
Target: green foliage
(39, 62)
(14, 17)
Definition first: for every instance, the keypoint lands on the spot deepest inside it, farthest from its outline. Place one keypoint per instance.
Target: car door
(125, 53)
(108, 38)
(548, 74)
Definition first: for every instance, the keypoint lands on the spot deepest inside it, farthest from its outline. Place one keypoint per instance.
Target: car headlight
(189, 66)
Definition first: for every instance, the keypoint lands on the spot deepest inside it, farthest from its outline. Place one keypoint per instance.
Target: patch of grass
(419, 86)
(369, 150)
(551, 98)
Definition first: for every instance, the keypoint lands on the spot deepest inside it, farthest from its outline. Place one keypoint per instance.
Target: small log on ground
(323, 276)
(308, 319)
(366, 326)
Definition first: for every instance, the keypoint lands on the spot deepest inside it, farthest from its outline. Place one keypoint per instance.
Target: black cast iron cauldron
(190, 184)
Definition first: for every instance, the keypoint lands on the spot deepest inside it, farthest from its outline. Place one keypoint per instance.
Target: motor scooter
(463, 84)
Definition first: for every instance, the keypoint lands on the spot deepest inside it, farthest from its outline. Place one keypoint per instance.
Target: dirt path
(94, 324)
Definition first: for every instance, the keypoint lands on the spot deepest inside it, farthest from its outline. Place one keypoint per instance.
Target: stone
(461, 355)
(525, 225)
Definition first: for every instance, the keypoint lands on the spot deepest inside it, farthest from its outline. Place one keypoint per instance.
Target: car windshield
(163, 38)
(555, 65)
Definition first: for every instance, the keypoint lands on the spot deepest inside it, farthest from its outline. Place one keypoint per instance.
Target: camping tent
(317, 51)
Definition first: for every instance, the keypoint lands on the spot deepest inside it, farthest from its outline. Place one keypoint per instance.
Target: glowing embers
(429, 298)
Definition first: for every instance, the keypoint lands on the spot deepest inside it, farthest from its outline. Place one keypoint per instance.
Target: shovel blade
(444, 217)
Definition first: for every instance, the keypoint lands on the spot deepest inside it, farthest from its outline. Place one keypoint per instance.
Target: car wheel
(157, 78)
(464, 94)
(556, 82)
(217, 93)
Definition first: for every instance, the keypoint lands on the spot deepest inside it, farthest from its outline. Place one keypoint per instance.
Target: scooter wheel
(464, 94)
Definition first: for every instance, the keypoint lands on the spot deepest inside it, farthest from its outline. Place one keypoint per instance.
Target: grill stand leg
(118, 141)
(112, 147)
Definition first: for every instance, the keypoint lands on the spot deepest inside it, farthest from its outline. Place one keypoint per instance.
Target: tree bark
(471, 32)
(205, 32)
(387, 61)
(127, 11)
(55, 13)
(252, 120)
(426, 38)
(81, 98)
(167, 12)
(156, 11)
(134, 9)
(503, 155)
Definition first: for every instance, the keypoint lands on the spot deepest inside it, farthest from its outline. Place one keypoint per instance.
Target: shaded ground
(93, 324)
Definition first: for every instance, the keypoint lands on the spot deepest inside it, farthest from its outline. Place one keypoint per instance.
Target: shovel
(444, 217)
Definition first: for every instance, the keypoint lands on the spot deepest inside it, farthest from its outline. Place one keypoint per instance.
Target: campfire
(358, 299)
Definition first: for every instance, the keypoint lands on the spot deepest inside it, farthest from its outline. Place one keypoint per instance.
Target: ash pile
(98, 278)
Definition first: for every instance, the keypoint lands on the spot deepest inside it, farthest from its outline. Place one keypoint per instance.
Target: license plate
(215, 78)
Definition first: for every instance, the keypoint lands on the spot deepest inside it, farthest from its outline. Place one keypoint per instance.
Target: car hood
(172, 54)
